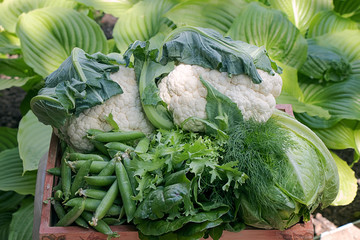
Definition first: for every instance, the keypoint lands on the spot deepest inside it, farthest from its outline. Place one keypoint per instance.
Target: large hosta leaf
(329, 22)
(263, 26)
(345, 134)
(325, 65)
(215, 14)
(7, 138)
(15, 67)
(300, 12)
(8, 82)
(113, 7)
(340, 99)
(34, 139)
(346, 42)
(12, 178)
(10, 10)
(141, 22)
(348, 8)
(348, 183)
(24, 217)
(5, 220)
(48, 35)
(9, 43)
(10, 201)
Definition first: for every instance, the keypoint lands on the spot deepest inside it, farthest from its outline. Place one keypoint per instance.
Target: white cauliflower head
(125, 108)
(185, 95)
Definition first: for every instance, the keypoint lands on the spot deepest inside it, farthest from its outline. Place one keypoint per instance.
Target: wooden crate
(47, 231)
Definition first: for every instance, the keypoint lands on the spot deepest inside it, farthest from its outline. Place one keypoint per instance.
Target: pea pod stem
(101, 226)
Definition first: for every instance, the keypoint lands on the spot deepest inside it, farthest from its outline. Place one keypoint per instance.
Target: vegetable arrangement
(316, 43)
(232, 162)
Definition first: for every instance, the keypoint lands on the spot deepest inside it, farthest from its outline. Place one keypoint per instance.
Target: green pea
(99, 180)
(118, 136)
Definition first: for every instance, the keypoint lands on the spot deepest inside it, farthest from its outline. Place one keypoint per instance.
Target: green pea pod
(109, 169)
(95, 194)
(99, 180)
(119, 146)
(100, 146)
(72, 215)
(105, 203)
(118, 136)
(96, 166)
(125, 190)
(101, 226)
(126, 160)
(65, 176)
(79, 180)
(92, 204)
(75, 156)
(56, 171)
(58, 186)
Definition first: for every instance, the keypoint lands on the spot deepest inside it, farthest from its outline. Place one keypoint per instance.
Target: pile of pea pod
(94, 189)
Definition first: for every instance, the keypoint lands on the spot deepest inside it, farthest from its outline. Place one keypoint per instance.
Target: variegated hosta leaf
(348, 183)
(141, 22)
(346, 42)
(9, 43)
(300, 12)
(348, 8)
(329, 22)
(12, 178)
(10, 10)
(113, 7)
(344, 135)
(263, 26)
(218, 15)
(48, 35)
(34, 140)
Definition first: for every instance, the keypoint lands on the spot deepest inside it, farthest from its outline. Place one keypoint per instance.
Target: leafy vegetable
(190, 45)
(82, 81)
(275, 195)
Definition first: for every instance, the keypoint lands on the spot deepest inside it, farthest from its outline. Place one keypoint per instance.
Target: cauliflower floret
(125, 108)
(185, 95)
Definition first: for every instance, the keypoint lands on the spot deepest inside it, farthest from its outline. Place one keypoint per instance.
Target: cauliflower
(185, 95)
(125, 108)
